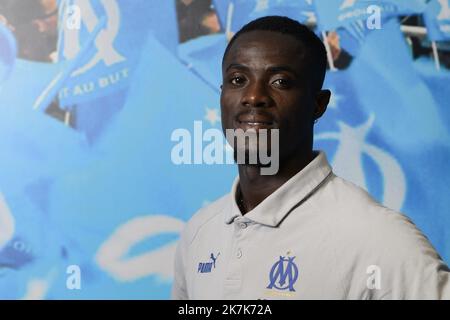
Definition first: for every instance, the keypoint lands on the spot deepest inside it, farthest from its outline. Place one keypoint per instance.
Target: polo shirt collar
(272, 210)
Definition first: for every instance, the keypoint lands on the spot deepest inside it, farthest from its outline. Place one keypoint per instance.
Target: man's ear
(321, 102)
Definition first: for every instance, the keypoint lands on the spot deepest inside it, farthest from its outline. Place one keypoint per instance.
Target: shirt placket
(234, 275)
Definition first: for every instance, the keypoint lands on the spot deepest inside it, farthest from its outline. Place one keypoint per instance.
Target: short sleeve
(179, 289)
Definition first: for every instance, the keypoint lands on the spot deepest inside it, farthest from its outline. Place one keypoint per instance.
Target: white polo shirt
(316, 237)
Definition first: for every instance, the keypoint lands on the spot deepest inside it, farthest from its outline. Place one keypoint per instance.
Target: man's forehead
(268, 37)
(257, 46)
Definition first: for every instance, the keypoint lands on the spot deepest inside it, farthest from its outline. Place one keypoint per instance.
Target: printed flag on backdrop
(437, 20)
(221, 8)
(34, 146)
(109, 65)
(203, 56)
(32, 258)
(124, 209)
(8, 50)
(243, 11)
(98, 88)
(437, 83)
(18, 89)
(35, 150)
(31, 143)
(353, 14)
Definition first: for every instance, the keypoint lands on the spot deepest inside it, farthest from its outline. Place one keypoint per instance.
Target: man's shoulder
(367, 235)
(363, 221)
(351, 201)
(345, 193)
(205, 215)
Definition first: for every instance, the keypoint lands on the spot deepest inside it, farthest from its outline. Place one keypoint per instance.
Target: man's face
(266, 86)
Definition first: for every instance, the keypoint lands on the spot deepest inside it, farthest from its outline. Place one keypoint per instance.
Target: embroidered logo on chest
(205, 267)
(283, 274)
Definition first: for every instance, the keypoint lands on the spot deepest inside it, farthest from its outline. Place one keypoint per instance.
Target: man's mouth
(255, 120)
(258, 123)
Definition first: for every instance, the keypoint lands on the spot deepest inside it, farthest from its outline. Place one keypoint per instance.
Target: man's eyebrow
(272, 69)
(276, 69)
(237, 66)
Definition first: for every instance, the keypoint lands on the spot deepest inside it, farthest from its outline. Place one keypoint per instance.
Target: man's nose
(256, 95)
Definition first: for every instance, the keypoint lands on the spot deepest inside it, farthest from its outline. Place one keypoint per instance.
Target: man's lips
(255, 120)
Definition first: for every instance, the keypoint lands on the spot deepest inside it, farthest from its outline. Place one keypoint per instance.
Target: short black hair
(315, 55)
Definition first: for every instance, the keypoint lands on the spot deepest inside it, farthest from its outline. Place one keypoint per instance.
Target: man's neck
(254, 188)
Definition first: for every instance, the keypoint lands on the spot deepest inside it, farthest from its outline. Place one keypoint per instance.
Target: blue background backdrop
(102, 192)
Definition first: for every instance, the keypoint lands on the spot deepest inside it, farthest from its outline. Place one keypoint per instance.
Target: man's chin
(251, 155)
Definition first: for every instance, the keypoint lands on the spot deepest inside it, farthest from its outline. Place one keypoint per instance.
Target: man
(302, 233)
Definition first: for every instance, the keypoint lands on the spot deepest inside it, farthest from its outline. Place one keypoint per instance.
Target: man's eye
(282, 83)
(237, 80)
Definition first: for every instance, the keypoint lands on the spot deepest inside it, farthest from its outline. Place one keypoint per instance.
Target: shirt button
(239, 254)
(242, 225)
